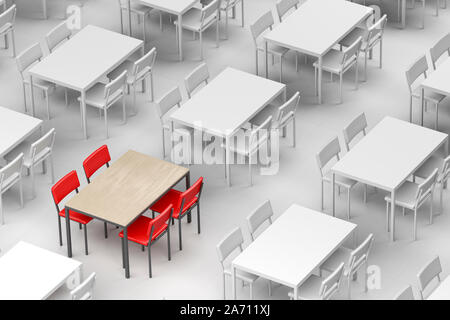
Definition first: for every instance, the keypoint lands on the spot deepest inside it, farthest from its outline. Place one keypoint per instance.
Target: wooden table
(124, 191)
(442, 292)
(293, 247)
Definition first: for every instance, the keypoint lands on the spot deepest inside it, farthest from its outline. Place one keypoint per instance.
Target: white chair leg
(21, 192)
(387, 216)
(340, 87)
(415, 224)
(321, 195)
(66, 97)
(152, 93)
(1, 210)
(348, 203)
(33, 190)
(106, 122)
(201, 45)
(251, 291)
(47, 104)
(250, 169)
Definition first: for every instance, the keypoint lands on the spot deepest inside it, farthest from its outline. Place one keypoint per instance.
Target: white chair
(7, 22)
(356, 259)
(328, 153)
(139, 10)
(226, 6)
(9, 176)
(197, 77)
(282, 116)
(85, 291)
(103, 97)
(417, 69)
(250, 142)
(138, 72)
(283, 6)
(370, 38)
(314, 288)
(41, 152)
(232, 243)
(412, 196)
(24, 61)
(429, 273)
(338, 62)
(406, 294)
(258, 217)
(199, 20)
(260, 26)
(442, 46)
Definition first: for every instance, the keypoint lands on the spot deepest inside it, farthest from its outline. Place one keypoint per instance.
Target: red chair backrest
(96, 160)
(192, 192)
(65, 186)
(160, 220)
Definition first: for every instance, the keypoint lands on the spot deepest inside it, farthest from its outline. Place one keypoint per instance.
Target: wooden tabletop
(127, 188)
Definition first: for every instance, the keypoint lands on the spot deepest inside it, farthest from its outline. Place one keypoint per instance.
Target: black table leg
(69, 238)
(125, 248)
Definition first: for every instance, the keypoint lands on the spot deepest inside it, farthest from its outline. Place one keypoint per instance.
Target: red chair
(183, 203)
(95, 161)
(60, 190)
(146, 231)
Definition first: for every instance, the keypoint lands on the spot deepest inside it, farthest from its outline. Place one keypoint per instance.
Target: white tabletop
(317, 25)
(14, 128)
(31, 273)
(85, 58)
(172, 6)
(227, 102)
(442, 292)
(389, 153)
(438, 80)
(289, 250)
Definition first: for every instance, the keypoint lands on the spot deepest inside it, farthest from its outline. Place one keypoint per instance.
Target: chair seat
(241, 275)
(262, 115)
(192, 20)
(428, 167)
(137, 8)
(9, 182)
(405, 196)
(309, 290)
(430, 96)
(171, 197)
(5, 28)
(273, 49)
(137, 231)
(340, 181)
(27, 162)
(332, 61)
(342, 254)
(75, 216)
(96, 96)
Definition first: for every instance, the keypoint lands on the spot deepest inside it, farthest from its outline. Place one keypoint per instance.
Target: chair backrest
(65, 186)
(230, 243)
(376, 15)
(168, 101)
(351, 53)
(42, 147)
(261, 134)
(189, 195)
(330, 286)
(8, 16)
(426, 188)
(418, 68)
(445, 173)
(360, 255)
(376, 31)
(144, 65)
(439, 49)
(208, 11)
(85, 290)
(358, 125)
(286, 112)
(261, 214)
(158, 222)
(28, 57)
(57, 35)
(430, 272)
(11, 169)
(283, 6)
(330, 151)
(406, 294)
(198, 76)
(262, 24)
(116, 85)
(96, 160)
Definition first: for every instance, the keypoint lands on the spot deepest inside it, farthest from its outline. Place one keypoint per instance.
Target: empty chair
(146, 231)
(183, 204)
(427, 275)
(357, 259)
(139, 10)
(258, 217)
(314, 288)
(199, 20)
(338, 62)
(260, 26)
(442, 46)
(85, 290)
(7, 24)
(405, 294)
(197, 77)
(233, 243)
(412, 196)
(65, 186)
(57, 35)
(138, 72)
(41, 152)
(24, 61)
(103, 96)
(324, 157)
(357, 126)
(283, 6)
(10, 175)
(226, 6)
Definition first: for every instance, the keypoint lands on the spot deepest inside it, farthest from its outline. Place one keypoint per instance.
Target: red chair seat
(75, 216)
(172, 197)
(137, 232)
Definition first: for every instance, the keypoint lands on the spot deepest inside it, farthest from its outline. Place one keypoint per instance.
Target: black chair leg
(85, 239)
(106, 230)
(80, 225)
(198, 217)
(179, 233)
(123, 254)
(60, 232)
(169, 256)
(143, 248)
(149, 261)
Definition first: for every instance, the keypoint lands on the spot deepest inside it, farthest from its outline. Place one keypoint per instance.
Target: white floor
(195, 272)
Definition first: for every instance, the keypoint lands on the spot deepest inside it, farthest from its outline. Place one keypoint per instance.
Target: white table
(388, 155)
(293, 247)
(175, 7)
(15, 127)
(315, 27)
(442, 292)
(28, 272)
(223, 106)
(84, 60)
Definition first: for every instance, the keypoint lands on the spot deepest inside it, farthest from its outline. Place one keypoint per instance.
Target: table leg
(403, 14)
(333, 205)
(392, 215)
(319, 79)
(83, 113)
(44, 9)
(32, 95)
(129, 17)
(227, 159)
(266, 58)
(242, 9)
(233, 282)
(295, 293)
(180, 36)
(69, 238)
(422, 105)
(125, 253)
(188, 185)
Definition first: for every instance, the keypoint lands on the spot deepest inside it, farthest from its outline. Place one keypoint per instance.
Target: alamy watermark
(73, 20)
